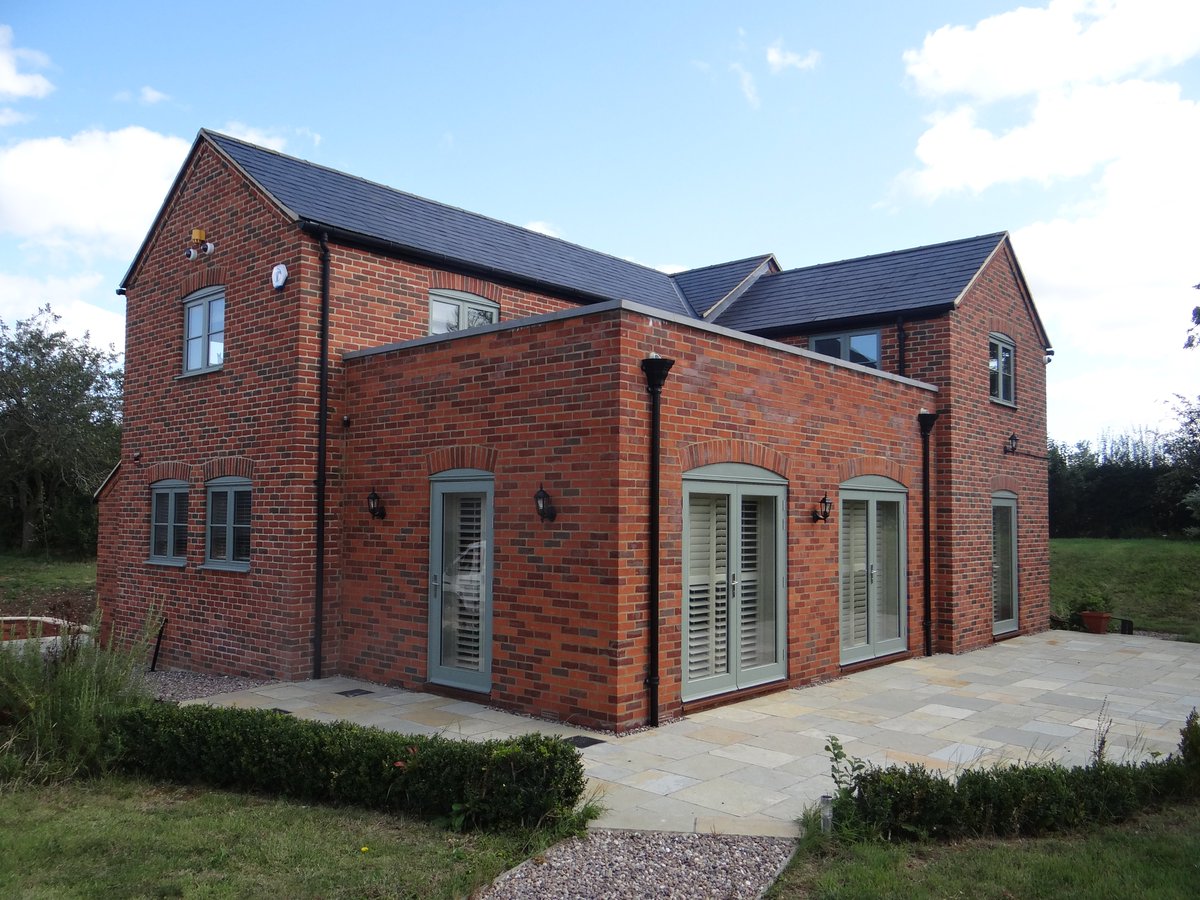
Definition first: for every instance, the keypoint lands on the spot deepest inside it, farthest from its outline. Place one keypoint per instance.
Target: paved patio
(753, 767)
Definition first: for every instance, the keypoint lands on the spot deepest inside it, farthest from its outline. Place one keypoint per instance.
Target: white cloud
(779, 59)
(545, 228)
(94, 193)
(22, 296)
(253, 135)
(1067, 42)
(671, 268)
(13, 83)
(746, 82)
(11, 117)
(311, 135)
(149, 96)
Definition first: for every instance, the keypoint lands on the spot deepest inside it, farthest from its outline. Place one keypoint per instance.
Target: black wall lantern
(375, 506)
(1010, 446)
(826, 507)
(545, 508)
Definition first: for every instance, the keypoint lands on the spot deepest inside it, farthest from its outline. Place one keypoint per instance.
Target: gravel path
(180, 686)
(624, 865)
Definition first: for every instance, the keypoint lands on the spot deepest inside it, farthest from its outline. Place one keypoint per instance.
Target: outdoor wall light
(375, 506)
(826, 507)
(1010, 446)
(545, 507)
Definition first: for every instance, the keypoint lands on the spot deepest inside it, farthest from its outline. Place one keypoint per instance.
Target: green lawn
(1157, 855)
(47, 586)
(119, 838)
(1154, 582)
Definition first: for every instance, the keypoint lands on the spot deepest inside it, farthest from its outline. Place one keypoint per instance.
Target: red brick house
(447, 453)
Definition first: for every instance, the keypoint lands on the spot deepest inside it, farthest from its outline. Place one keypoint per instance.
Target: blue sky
(674, 134)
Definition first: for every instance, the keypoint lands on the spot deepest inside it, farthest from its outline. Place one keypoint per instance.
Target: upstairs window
(1001, 369)
(860, 347)
(455, 311)
(168, 522)
(228, 522)
(204, 330)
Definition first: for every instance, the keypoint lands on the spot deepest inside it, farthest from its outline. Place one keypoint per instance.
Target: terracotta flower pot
(1095, 622)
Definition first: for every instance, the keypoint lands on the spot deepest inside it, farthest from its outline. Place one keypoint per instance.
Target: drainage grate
(354, 692)
(582, 740)
(281, 710)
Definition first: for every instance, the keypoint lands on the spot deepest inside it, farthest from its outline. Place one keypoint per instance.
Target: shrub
(523, 781)
(58, 706)
(912, 802)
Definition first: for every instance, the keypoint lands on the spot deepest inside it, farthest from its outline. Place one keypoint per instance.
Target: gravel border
(180, 686)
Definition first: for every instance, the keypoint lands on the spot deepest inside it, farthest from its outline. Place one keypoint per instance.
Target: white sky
(678, 135)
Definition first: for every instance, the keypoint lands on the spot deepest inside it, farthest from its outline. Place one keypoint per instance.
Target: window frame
(464, 302)
(997, 378)
(203, 299)
(172, 489)
(845, 337)
(229, 486)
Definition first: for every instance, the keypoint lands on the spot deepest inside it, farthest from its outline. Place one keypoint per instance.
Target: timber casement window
(228, 524)
(456, 311)
(204, 330)
(168, 522)
(860, 347)
(1001, 369)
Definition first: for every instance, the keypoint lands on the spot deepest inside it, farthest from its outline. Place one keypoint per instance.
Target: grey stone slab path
(753, 767)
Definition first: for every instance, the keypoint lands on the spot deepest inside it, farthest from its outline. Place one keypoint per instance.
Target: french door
(874, 603)
(1004, 565)
(734, 552)
(460, 583)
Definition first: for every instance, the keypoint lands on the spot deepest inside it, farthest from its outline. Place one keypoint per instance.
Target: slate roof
(923, 279)
(704, 288)
(316, 194)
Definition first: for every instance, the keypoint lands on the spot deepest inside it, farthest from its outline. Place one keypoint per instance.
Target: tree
(60, 422)
(1193, 335)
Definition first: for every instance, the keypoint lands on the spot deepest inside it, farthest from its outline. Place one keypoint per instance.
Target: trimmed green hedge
(522, 781)
(912, 802)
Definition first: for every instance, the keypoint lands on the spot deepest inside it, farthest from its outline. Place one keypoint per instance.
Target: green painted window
(168, 522)
(457, 311)
(228, 524)
(1002, 369)
(204, 330)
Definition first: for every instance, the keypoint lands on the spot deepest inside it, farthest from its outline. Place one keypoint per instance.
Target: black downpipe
(901, 348)
(322, 441)
(926, 419)
(655, 369)
(158, 644)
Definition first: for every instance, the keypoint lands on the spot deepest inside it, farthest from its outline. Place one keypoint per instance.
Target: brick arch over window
(873, 465)
(1005, 483)
(168, 471)
(209, 276)
(451, 281)
(466, 456)
(228, 467)
(709, 453)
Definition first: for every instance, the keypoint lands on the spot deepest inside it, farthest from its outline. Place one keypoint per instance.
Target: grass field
(1157, 855)
(1156, 583)
(47, 586)
(118, 838)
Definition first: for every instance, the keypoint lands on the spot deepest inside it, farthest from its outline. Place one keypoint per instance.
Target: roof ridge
(759, 257)
(998, 235)
(480, 216)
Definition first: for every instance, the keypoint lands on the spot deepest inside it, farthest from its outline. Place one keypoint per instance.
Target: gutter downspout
(322, 441)
(926, 420)
(901, 348)
(655, 369)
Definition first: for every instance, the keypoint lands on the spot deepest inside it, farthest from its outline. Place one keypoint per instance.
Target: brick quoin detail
(1005, 483)
(735, 451)
(466, 457)
(228, 467)
(873, 465)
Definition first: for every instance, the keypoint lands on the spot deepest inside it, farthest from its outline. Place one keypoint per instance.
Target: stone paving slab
(754, 767)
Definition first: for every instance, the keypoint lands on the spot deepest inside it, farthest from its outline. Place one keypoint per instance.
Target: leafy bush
(523, 781)
(58, 706)
(912, 802)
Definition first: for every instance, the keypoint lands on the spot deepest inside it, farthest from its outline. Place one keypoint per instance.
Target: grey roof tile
(705, 287)
(920, 279)
(335, 199)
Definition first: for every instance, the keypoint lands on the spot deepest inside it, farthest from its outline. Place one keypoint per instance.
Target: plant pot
(1095, 622)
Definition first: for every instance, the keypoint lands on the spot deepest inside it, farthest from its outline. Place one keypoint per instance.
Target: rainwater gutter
(655, 369)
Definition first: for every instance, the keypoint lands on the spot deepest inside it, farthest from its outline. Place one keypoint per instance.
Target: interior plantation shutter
(708, 586)
(854, 573)
(750, 587)
(466, 556)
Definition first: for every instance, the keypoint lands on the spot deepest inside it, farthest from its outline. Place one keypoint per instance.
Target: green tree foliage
(60, 433)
